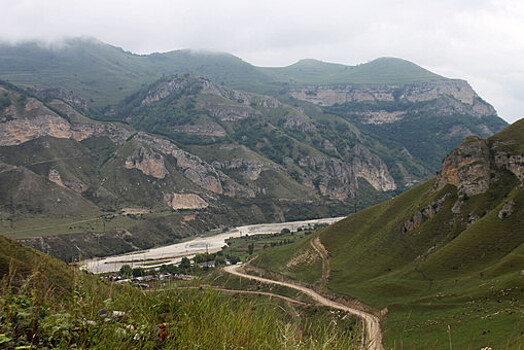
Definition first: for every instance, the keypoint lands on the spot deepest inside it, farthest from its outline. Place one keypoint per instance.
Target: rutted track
(249, 292)
(373, 335)
(324, 255)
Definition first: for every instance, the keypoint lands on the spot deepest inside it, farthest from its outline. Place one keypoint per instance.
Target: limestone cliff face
(191, 166)
(163, 90)
(511, 162)
(149, 163)
(34, 120)
(470, 166)
(467, 167)
(222, 103)
(338, 179)
(241, 97)
(82, 131)
(250, 169)
(454, 96)
(371, 168)
(185, 201)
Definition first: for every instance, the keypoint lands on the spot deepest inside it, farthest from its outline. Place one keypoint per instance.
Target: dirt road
(326, 268)
(249, 292)
(373, 335)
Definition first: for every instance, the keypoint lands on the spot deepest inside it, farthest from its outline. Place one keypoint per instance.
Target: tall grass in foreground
(98, 315)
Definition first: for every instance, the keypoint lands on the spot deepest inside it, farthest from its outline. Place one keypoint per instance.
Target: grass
(91, 313)
(380, 71)
(307, 266)
(104, 74)
(30, 225)
(447, 279)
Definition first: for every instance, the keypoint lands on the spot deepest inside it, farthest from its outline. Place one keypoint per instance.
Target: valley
(380, 192)
(441, 260)
(173, 254)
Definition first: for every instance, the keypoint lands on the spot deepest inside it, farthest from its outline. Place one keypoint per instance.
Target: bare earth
(373, 335)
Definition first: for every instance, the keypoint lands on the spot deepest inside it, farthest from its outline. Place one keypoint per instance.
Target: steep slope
(20, 262)
(47, 304)
(330, 139)
(258, 139)
(391, 101)
(447, 252)
(75, 186)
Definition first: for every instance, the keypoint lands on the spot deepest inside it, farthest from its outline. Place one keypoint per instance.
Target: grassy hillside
(455, 273)
(46, 304)
(258, 157)
(384, 70)
(104, 74)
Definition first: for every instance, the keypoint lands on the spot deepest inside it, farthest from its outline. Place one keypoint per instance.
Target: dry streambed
(173, 253)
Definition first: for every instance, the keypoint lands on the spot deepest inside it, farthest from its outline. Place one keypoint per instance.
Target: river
(172, 254)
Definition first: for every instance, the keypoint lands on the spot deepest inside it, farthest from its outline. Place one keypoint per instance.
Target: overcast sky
(481, 41)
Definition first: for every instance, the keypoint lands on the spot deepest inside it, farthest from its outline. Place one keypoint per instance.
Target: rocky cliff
(471, 166)
(29, 119)
(448, 96)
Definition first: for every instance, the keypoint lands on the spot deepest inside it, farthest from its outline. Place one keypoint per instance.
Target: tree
(234, 259)
(250, 248)
(126, 270)
(138, 272)
(220, 260)
(185, 263)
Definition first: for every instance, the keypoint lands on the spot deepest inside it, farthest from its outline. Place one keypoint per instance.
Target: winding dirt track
(373, 335)
(250, 292)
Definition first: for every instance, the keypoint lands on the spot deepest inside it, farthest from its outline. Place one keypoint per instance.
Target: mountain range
(105, 151)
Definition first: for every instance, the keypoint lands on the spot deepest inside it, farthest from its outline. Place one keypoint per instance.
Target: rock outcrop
(424, 214)
(61, 93)
(185, 201)
(54, 176)
(511, 162)
(35, 120)
(469, 166)
(249, 169)
(192, 167)
(338, 180)
(371, 168)
(149, 163)
(453, 96)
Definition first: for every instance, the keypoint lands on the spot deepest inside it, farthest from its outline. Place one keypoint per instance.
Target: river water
(172, 254)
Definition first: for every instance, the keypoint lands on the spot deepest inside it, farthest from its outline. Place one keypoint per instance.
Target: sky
(481, 41)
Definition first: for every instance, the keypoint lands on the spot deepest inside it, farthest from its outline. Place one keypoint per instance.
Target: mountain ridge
(18, 64)
(185, 142)
(446, 252)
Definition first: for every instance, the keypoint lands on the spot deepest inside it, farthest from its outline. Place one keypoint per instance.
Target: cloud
(479, 40)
